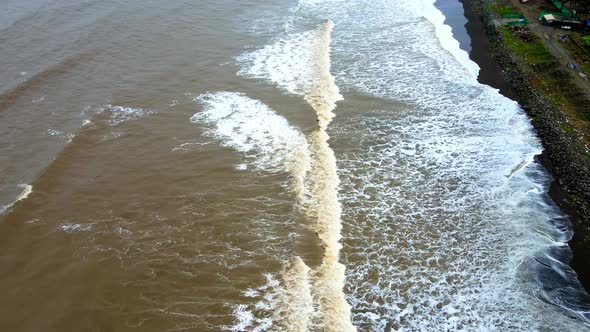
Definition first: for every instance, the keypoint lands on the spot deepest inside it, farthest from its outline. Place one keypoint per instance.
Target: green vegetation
(502, 9)
(583, 43)
(546, 75)
(532, 52)
(579, 51)
(568, 128)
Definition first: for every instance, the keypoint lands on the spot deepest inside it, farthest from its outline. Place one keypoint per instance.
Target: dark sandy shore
(479, 48)
(482, 53)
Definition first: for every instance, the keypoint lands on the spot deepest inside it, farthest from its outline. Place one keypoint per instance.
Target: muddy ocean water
(267, 166)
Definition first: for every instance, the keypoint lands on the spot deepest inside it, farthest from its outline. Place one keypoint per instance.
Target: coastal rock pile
(565, 157)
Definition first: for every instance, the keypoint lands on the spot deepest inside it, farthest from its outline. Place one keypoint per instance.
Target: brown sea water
(177, 166)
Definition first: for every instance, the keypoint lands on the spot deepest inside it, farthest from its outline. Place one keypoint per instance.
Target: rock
(567, 160)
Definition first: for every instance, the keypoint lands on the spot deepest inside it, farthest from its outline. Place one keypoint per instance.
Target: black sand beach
(478, 46)
(481, 53)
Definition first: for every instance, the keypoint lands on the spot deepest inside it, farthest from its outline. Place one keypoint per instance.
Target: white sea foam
(445, 36)
(244, 319)
(297, 64)
(300, 64)
(54, 132)
(286, 299)
(448, 220)
(27, 189)
(241, 167)
(69, 228)
(38, 100)
(119, 114)
(255, 130)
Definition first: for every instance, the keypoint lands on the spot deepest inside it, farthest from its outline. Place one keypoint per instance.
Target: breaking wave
(300, 64)
(253, 129)
(27, 190)
(448, 222)
(120, 114)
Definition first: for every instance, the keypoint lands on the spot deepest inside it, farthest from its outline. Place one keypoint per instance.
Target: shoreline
(546, 121)
(481, 53)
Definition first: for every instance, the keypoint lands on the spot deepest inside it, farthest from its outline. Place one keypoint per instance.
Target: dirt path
(550, 38)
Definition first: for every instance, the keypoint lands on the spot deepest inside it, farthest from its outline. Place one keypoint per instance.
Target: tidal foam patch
(119, 114)
(69, 228)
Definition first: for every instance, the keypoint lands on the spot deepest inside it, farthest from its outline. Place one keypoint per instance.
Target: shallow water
(264, 165)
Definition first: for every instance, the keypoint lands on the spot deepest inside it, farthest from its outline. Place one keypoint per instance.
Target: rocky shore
(564, 157)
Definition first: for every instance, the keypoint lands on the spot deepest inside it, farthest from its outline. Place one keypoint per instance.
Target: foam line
(445, 34)
(27, 190)
(296, 301)
(300, 64)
